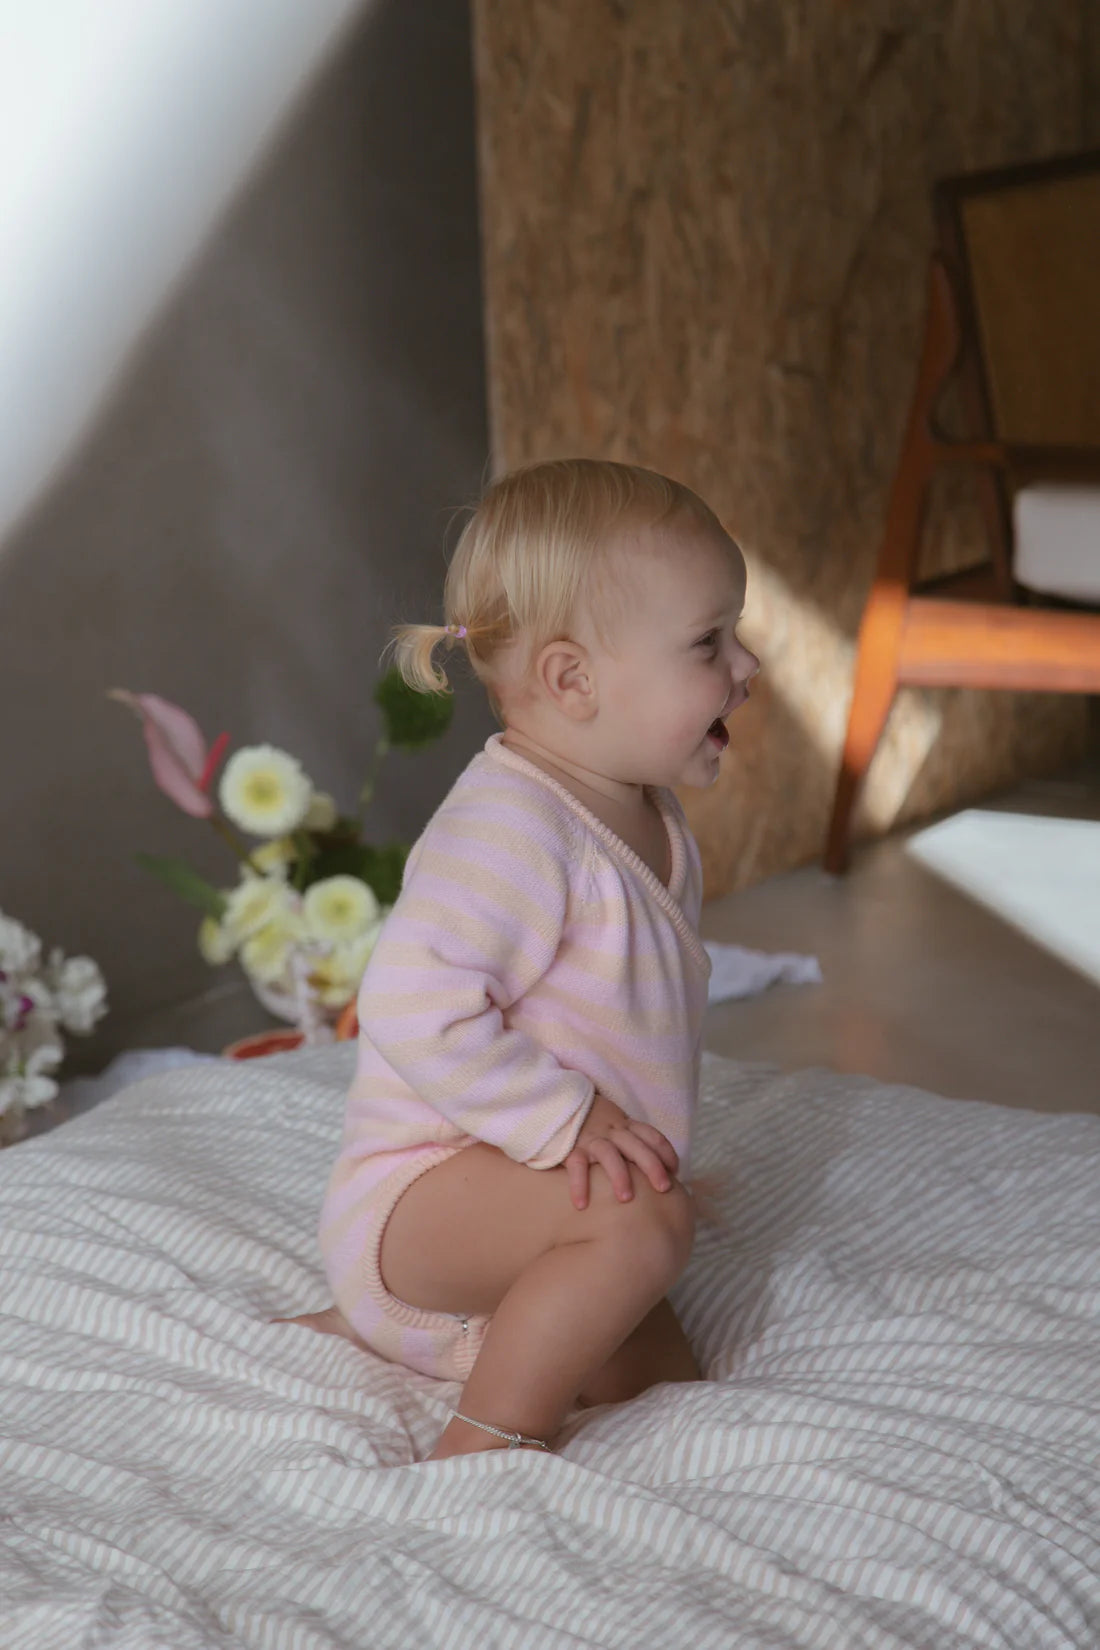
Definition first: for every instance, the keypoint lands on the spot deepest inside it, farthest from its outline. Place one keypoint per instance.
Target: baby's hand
(611, 1138)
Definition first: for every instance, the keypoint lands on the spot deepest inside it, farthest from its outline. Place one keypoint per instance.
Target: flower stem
(303, 859)
(240, 848)
(367, 792)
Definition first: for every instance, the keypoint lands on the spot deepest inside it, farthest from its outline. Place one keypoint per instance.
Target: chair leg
(873, 691)
(876, 676)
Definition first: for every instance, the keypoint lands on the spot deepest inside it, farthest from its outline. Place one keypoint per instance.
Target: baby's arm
(478, 922)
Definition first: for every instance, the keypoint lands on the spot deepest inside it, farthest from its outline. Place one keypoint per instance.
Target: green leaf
(380, 868)
(412, 718)
(187, 883)
(305, 843)
(346, 829)
(386, 870)
(346, 859)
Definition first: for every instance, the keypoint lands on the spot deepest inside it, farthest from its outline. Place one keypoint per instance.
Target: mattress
(897, 1443)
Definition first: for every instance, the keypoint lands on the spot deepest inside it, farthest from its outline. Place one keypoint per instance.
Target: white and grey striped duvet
(898, 1444)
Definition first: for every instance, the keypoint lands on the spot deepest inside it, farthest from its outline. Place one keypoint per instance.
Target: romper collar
(667, 898)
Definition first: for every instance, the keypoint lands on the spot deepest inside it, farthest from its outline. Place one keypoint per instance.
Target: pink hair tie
(456, 629)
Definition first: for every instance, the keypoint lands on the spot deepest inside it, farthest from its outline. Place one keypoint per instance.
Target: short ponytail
(414, 645)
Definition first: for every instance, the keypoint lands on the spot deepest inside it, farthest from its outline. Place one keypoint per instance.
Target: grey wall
(269, 488)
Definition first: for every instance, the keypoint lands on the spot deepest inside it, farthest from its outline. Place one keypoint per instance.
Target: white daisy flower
(11, 1095)
(263, 790)
(274, 856)
(255, 903)
(215, 944)
(339, 909)
(336, 978)
(16, 1005)
(79, 991)
(37, 1086)
(19, 948)
(25, 1082)
(266, 953)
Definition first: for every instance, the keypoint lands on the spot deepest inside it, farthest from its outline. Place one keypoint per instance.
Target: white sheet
(897, 1444)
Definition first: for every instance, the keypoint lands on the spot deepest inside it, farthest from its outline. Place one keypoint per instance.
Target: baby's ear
(564, 672)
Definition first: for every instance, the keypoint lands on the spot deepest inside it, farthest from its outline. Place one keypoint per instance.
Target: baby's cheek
(692, 719)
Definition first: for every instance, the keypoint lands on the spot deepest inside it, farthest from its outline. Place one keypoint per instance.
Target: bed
(897, 1444)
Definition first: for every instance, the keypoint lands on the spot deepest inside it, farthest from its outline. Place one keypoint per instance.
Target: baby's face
(677, 666)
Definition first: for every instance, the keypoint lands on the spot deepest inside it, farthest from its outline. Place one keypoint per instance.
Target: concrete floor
(922, 985)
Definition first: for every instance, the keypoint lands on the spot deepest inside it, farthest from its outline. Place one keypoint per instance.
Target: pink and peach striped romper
(531, 959)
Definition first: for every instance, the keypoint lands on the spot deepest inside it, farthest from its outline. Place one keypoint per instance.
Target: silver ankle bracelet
(515, 1439)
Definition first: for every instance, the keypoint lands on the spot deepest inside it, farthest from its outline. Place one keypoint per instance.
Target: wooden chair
(1013, 321)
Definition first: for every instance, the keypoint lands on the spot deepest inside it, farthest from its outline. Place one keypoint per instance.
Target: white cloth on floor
(736, 972)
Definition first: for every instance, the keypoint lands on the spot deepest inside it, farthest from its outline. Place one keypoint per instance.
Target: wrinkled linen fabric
(895, 1448)
(738, 972)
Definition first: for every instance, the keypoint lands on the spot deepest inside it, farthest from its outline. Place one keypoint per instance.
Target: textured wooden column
(705, 231)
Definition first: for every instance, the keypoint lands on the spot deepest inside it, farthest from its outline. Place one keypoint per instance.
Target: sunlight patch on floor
(1039, 873)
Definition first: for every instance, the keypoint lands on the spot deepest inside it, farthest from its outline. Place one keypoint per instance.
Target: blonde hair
(536, 552)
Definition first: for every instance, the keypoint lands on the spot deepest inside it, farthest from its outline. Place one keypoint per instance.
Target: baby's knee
(656, 1229)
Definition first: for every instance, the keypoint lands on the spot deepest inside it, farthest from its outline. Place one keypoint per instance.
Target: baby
(510, 1206)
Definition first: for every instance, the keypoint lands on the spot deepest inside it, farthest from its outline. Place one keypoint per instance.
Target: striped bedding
(898, 1443)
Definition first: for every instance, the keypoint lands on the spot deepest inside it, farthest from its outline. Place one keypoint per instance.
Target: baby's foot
(329, 1322)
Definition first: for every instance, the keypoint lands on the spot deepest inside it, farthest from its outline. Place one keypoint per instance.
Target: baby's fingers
(664, 1148)
(576, 1168)
(645, 1157)
(611, 1159)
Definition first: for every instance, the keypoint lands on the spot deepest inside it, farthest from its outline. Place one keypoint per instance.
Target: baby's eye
(709, 640)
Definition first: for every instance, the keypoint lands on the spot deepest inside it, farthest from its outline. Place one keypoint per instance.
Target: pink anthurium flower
(182, 766)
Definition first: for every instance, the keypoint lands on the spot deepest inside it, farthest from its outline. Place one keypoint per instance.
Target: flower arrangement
(36, 997)
(311, 897)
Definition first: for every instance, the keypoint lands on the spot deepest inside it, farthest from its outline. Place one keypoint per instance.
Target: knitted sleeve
(478, 921)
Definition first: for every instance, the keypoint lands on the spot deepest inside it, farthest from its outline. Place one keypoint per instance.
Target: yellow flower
(255, 903)
(339, 909)
(336, 978)
(215, 944)
(266, 953)
(274, 856)
(263, 790)
(321, 814)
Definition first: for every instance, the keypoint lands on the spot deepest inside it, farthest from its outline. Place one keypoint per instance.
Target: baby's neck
(597, 791)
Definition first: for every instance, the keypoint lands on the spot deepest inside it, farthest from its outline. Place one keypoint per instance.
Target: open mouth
(719, 733)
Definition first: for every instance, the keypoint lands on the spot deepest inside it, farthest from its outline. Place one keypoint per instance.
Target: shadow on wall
(270, 488)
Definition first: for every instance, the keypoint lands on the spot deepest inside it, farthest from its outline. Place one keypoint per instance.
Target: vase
(279, 1003)
(294, 999)
(312, 1020)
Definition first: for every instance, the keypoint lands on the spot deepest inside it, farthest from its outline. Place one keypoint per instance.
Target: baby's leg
(658, 1350)
(330, 1321)
(566, 1288)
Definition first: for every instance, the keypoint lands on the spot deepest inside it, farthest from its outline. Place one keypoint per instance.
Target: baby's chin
(699, 773)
